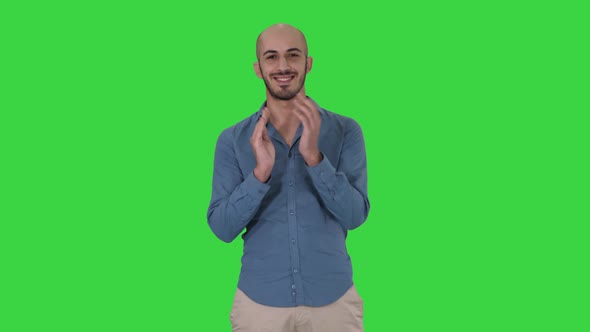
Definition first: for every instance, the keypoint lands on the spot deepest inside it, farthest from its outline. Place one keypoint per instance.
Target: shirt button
(295, 270)
(290, 183)
(291, 212)
(293, 241)
(293, 286)
(293, 293)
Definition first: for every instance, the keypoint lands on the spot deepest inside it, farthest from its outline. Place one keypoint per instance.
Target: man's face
(283, 64)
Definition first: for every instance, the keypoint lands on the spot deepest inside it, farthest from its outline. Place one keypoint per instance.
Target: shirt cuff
(322, 174)
(253, 188)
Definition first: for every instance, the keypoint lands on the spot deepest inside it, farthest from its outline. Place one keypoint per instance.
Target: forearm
(347, 203)
(229, 214)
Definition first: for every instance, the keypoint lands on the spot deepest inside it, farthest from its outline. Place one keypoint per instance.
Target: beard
(284, 93)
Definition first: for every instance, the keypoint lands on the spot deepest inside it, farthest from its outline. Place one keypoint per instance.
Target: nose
(283, 64)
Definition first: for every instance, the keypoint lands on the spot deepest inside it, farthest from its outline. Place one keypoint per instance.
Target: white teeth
(283, 79)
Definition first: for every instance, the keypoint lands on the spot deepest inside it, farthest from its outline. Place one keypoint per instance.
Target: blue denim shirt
(296, 223)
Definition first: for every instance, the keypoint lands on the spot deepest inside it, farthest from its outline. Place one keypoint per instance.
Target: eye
(293, 55)
(270, 57)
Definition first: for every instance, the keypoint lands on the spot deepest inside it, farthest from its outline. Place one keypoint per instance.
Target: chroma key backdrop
(475, 121)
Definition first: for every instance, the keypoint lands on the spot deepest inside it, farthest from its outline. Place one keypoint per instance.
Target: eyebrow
(289, 50)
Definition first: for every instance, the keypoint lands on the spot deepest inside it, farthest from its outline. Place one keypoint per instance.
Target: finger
(266, 119)
(307, 105)
(256, 132)
(302, 115)
(266, 114)
(260, 125)
(305, 100)
(312, 107)
(265, 134)
(306, 116)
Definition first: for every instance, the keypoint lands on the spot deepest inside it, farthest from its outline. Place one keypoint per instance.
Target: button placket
(292, 224)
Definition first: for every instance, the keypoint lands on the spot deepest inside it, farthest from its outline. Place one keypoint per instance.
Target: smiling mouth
(284, 79)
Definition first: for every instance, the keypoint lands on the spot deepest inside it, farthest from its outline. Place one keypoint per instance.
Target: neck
(281, 111)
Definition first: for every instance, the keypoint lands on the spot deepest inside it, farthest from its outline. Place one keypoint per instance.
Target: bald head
(277, 35)
(283, 63)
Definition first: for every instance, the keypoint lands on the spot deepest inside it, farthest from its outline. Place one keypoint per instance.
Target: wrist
(316, 159)
(261, 175)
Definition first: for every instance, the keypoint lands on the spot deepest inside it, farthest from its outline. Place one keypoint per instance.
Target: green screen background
(475, 121)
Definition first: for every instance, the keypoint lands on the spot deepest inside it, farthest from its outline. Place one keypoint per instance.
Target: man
(294, 175)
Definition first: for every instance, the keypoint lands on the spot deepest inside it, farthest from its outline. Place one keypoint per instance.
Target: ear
(309, 63)
(257, 69)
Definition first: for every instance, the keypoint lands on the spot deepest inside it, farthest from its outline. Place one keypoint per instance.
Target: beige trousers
(344, 315)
